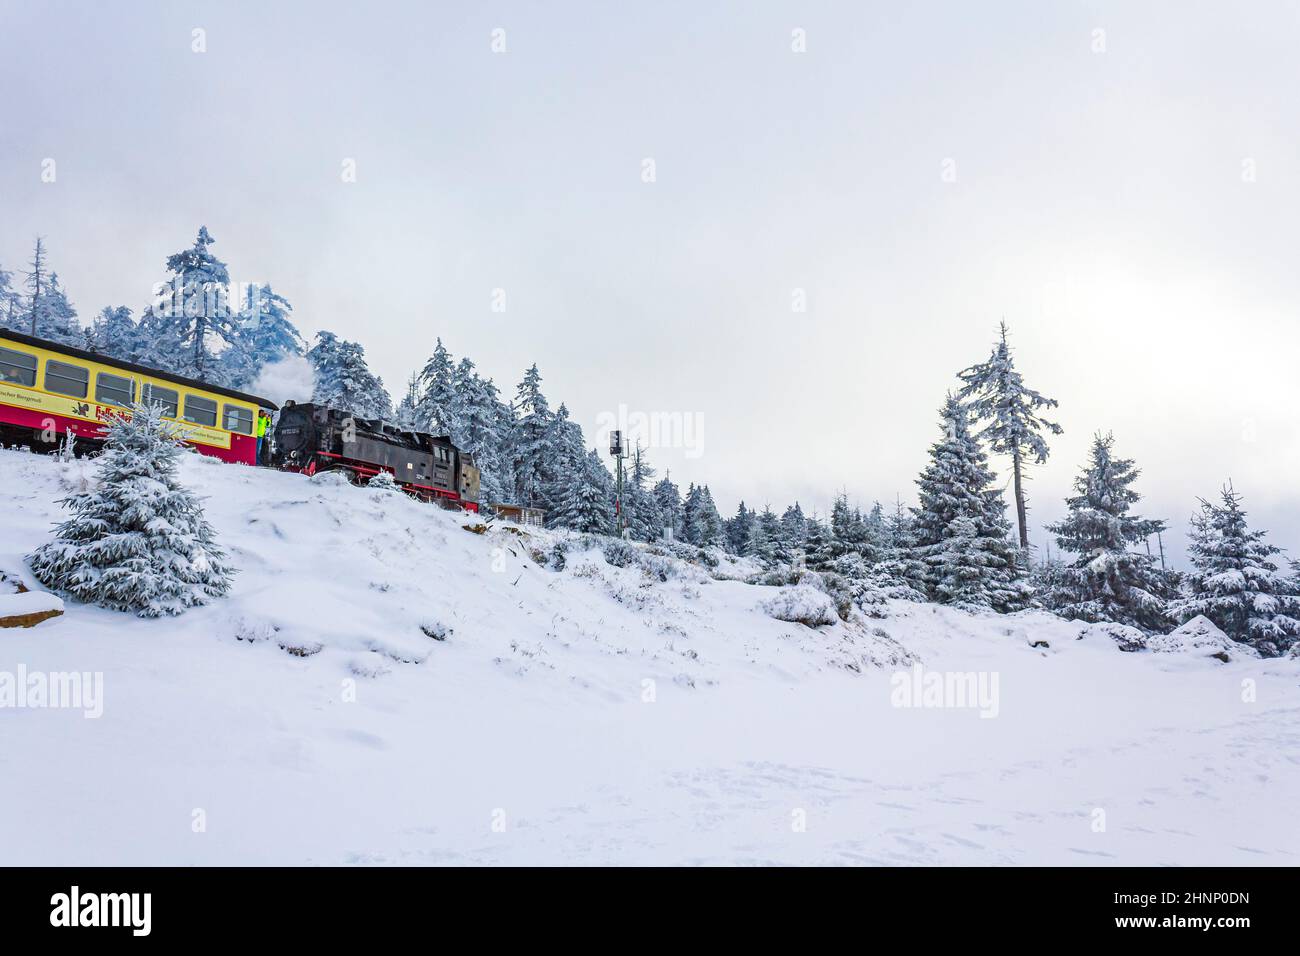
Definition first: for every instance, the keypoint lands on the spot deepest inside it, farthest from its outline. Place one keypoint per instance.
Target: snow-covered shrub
(557, 557)
(384, 483)
(780, 576)
(138, 540)
(618, 552)
(840, 590)
(871, 585)
(801, 604)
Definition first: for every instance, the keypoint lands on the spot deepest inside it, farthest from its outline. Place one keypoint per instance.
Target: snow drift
(385, 685)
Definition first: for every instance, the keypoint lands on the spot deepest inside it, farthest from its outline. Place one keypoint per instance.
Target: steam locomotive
(313, 438)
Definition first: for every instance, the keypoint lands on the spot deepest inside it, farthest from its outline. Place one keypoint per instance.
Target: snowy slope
(384, 686)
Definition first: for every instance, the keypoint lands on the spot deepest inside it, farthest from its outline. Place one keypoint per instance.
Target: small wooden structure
(519, 514)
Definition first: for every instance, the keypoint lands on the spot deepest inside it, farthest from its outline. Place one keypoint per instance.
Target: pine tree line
(956, 546)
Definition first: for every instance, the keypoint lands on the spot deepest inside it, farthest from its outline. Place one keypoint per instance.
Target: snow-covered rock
(1124, 637)
(28, 608)
(1201, 637)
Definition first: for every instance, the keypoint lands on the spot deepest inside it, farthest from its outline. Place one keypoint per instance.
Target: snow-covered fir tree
(794, 529)
(1009, 411)
(115, 333)
(1112, 577)
(701, 523)
(959, 567)
(196, 322)
(710, 520)
(957, 499)
(404, 413)
(738, 529)
(56, 319)
(690, 529)
(529, 440)
(1236, 580)
(643, 523)
(566, 464)
(10, 317)
(436, 406)
(765, 543)
(1045, 577)
(668, 506)
(876, 533)
(482, 429)
(819, 545)
(265, 335)
(585, 502)
(899, 567)
(138, 540)
(45, 311)
(344, 380)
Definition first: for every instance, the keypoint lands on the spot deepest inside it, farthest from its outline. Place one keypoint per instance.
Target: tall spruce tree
(643, 521)
(1112, 577)
(819, 545)
(344, 380)
(961, 527)
(137, 540)
(46, 312)
(437, 404)
(481, 419)
(710, 519)
(738, 530)
(529, 439)
(1236, 581)
(765, 537)
(999, 399)
(668, 501)
(794, 531)
(56, 319)
(196, 322)
(564, 459)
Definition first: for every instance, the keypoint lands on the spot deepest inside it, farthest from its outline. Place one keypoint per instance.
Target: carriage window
(17, 368)
(114, 389)
(200, 411)
(239, 420)
(64, 379)
(151, 394)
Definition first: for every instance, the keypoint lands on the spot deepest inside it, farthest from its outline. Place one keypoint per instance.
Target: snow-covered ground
(385, 686)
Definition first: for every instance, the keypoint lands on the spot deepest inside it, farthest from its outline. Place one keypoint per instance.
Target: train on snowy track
(311, 438)
(49, 390)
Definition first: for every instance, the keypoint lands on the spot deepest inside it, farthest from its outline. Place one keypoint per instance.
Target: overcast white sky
(1100, 205)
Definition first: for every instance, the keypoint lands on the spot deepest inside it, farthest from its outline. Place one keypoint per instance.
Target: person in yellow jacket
(263, 426)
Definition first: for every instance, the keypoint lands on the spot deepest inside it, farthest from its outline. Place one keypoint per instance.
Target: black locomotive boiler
(313, 438)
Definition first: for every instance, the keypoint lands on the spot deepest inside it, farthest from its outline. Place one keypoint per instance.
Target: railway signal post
(618, 451)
